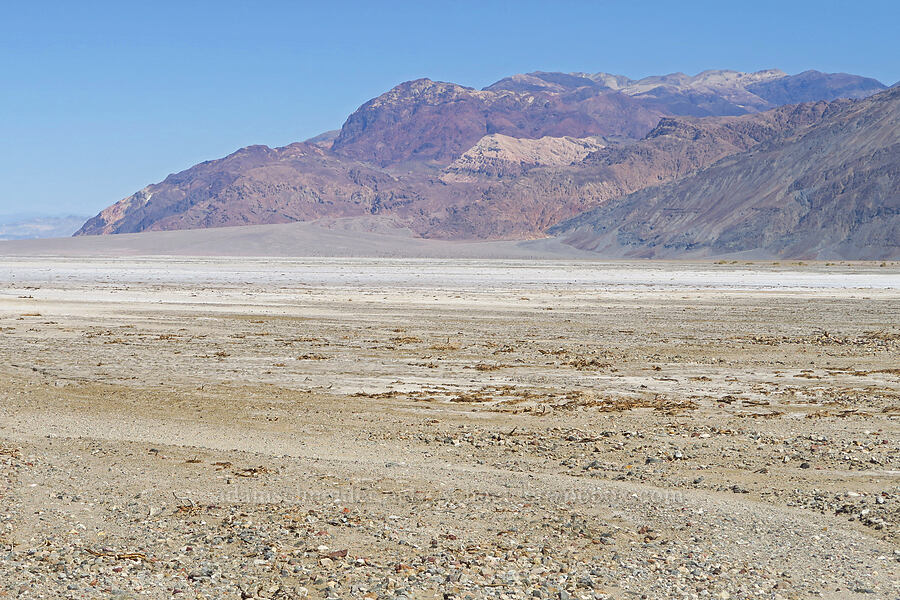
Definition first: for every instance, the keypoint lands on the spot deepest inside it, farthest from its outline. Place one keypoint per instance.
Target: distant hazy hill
(23, 227)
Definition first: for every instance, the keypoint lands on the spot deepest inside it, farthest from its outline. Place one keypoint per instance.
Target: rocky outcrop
(500, 156)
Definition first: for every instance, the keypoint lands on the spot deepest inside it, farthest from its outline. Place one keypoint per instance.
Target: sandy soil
(348, 237)
(203, 428)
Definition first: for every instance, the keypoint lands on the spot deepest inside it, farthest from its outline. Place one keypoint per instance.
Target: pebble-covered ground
(482, 437)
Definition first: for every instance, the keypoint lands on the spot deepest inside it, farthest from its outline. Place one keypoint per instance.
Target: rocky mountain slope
(436, 121)
(832, 190)
(255, 185)
(713, 92)
(509, 161)
(428, 120)
(527, 205)
(501, 188)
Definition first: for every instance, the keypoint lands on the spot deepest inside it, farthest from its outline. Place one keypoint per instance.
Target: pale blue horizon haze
(100, 99)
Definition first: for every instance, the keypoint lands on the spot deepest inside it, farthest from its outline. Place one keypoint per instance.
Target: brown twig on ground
(119, 555)
(190, 503)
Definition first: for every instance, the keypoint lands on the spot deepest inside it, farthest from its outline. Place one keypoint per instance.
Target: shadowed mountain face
(831, 190)
(509, 161)
(485, 206)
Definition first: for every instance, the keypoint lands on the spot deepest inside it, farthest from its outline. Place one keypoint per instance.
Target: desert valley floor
(375, 428)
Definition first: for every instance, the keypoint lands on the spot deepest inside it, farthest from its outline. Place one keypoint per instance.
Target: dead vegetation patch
(252, 472)
(135, 556)
(748, 402)
(657, 402)
(379, 395)
(472, 397)
(859, 373)
(582, 363)
(444, 346)
(881, 340)
(489, 367)
(841, 414)
(11, 452)
(870, 396)
(506, 398)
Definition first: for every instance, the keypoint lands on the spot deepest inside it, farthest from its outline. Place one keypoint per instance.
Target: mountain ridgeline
(589, 157)
(828, 191)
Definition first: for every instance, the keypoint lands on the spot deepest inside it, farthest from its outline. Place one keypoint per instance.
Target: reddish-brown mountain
(510, 161)
(434, 121)
(303, 182)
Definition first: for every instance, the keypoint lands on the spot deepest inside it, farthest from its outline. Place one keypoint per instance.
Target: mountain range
(592, 158)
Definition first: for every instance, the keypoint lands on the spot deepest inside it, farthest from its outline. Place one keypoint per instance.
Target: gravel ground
(371, 429)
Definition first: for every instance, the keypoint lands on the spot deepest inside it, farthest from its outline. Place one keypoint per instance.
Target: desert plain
(445, 428)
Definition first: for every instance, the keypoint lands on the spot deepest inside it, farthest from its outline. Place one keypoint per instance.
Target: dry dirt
(201, 428)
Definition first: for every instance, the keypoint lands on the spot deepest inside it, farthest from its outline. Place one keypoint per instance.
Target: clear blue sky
(98, 99)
